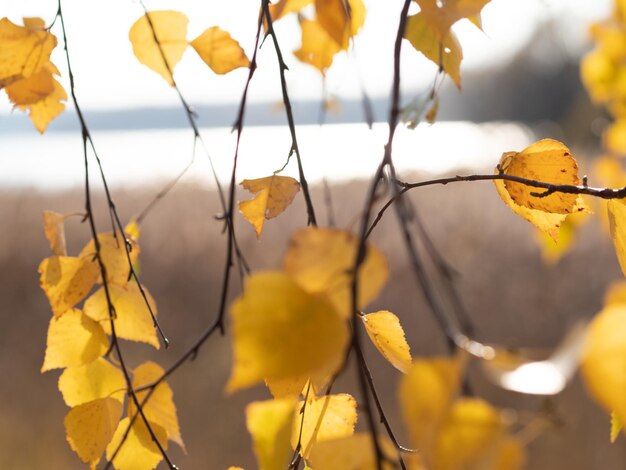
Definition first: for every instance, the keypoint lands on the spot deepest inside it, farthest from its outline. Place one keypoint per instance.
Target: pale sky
(108, 75)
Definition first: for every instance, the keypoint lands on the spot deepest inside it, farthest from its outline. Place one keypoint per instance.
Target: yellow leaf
(269, 423)
(98, 379)
(281, 332)
(220, 51)
(321, 261)
(132, 316)
(326, 418)
(284, 7)
(339, 22)
(139, 451)
(89, 427)
(617, 225)
(160, 408)
(23, 50)
(552, 250)
(426, 394)
(170, 29)
(615, 293)
(53, 224)
(442, 15)
(509, 455)
(132, 230)
(30, 90)
(273, 194)
(42, 112)
(445, 51)
(470, 436)
(66, 281)
(113, 254)
(599, 74)
(386, 333)
(287, 388)
(354, 452)
(431, 114)
(73, 340)
(548, 161)
(614, 137)
(317, 48)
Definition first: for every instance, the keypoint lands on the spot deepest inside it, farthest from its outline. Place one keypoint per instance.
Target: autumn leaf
(73, 340)
(273, 194)
(385, 331)
(113, 255)
(445, 51)
(325, 418)
(290, 387)
(28, 91)
(339, 22)
(354, 452)
(284, 7)
(269, 424)
(553, 250)
(442, 15)
(138, 451)
(317, 47)
(321, 261)
(280, 332)
(89, 427)
(54, 228)
(617, 226)
(160, 408)
(98, 379)
(66, 280)
(616, 427)
(170, 29)
(220, 51)
(132, 316)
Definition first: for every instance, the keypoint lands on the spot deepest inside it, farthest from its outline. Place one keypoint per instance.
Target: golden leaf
(30, 90)
(66, 281)
(138, 451)
(339, 22)
(273, 194)
(73, 340)
(442, 15)
(280, 332)
(53, 224)
(132, 316)
(113, 255)
(269, 423)
(98, 379)
(317, 48)
(170, 29)
(284, 7)
(617, 225)
(89, 427)
(354, 452)
(321, 261)
(219, 51)
(386, 333)
(553, 250)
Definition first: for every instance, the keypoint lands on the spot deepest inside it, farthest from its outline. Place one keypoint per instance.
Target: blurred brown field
(513, 299)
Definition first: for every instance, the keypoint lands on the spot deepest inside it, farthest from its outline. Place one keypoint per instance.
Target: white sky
(108, 76)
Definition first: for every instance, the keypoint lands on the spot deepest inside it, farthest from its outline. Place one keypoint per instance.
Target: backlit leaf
(617, 224)
(552, 250)
(66, 280)
(284, 7)
(280, 332)
(354, 452)
(445, 51)
(98, 379)
(616, 426)
(386, 333)
(132, 316)
(426, 394)
(170, 29)
(73, 340)
(89, 427)
(139, 451)
(269, 423)
(325, 418)
(321, 261)
(442, 15)
(32, 89)
(339, 22)
(291, 387)
(317, 47)
(160, 408)
(548, 161)
(54, 228)
(614, 137)
(113, 254)
(220, 51)
(44, 111)
(272, 196)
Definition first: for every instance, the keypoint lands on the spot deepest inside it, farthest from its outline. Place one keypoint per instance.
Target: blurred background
(520, 83)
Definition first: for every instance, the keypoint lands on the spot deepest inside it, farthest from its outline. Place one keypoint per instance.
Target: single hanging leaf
(325, 418)
(281, 332)
(273, 194)
(139, 451)
(321, 261)
(386, 333)
(73, 340)
(220, 51)
(548, 161)
(98, 379)
(317, 47)
(89, 428)
(617, 225)
(339, 22)
(444, 51)
(170, 28)
(269, 423)
(114, 257)
(133, 320)
(66, 281)
(23, 50)
(284, 7)
(616, 427)
(54, 228)
(160, 408)
(442, 15)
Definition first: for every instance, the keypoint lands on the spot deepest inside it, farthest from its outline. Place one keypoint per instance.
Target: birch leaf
(269, 423)
(54, 228)
(220, 51)
(139, 451)
(98, 379)
(385, 331)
